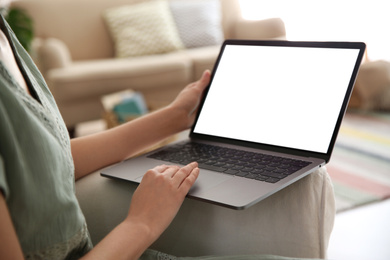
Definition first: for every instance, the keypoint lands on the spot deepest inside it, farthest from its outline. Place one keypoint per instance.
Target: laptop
(269, 117)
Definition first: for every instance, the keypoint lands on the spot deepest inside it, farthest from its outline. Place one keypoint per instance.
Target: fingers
(189, 181)
(185, 172)
(168, 170)
(180, 175)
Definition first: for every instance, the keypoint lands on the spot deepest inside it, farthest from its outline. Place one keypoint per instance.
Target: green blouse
(36, 165)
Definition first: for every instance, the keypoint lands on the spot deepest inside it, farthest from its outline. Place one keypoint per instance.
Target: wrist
(128, 240)
(179, 118)
(139, 235)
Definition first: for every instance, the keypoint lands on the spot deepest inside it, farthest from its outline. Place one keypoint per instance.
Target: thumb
(205, 79)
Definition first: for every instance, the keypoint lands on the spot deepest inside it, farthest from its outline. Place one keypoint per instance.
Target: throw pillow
(198, 22)
(142, 29)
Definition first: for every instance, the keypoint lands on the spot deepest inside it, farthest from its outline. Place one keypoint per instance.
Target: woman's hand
(154, 205)
(159, 196)
(189, 98)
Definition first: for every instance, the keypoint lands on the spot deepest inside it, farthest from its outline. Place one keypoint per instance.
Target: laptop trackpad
(208, 180)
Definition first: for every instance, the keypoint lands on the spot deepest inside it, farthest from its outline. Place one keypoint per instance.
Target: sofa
(372, 87)
(77, 49)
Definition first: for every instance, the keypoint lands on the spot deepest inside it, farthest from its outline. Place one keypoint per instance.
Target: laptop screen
(288, 96)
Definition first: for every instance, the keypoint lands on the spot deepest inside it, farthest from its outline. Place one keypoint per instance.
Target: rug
(360, 163)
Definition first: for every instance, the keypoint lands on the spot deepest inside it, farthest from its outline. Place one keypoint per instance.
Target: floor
(362, 233)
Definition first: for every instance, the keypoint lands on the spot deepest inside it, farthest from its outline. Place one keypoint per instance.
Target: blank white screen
(284, 96)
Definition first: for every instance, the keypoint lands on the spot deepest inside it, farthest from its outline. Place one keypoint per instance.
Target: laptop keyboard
(261, 167)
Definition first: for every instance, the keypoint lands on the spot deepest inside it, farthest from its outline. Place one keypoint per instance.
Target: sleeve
(3, 179)
(4, 188)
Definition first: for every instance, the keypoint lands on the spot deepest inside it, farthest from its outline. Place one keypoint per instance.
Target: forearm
(126, 241)
(9, 246)
(97, 151)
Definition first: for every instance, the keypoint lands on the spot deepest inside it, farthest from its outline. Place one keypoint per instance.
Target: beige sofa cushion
(143, 29)
(202, 58)
(198, 22)
(372, 87)
(115, 74)
(50, 53)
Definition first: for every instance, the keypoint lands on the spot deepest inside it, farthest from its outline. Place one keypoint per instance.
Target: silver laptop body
(277, 98)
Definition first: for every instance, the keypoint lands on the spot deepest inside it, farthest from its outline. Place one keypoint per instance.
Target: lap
(155, 255)
(296, 221)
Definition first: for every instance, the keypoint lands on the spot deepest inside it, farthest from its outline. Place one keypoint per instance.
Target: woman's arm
(9, 246)
(162, 190)
(97, 151)
(154, 204)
